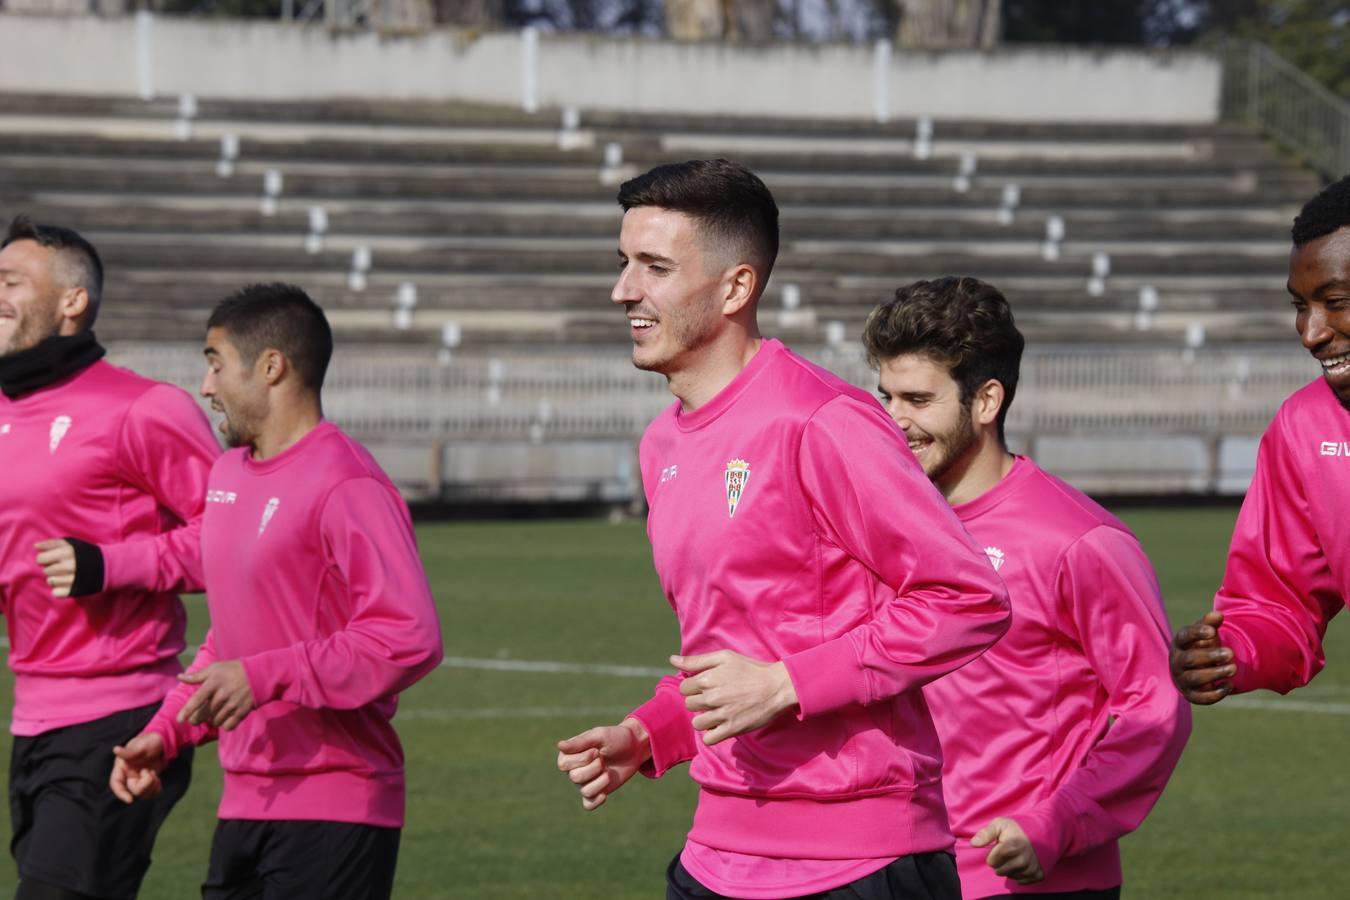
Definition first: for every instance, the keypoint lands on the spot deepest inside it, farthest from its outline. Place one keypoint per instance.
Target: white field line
(606, 713)
(553, 667)
(494, 664)
(1286, 705)
(549, 667)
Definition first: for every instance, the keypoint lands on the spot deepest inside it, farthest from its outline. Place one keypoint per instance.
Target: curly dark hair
(1323, 214)
(959, 322)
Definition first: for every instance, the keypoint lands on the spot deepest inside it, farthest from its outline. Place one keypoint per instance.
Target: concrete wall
(148, 56)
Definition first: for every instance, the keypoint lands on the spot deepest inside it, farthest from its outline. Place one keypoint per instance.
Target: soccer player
(95, 626)
(1288, 566)
(818, 578)
(1061, 738)
(320, 615)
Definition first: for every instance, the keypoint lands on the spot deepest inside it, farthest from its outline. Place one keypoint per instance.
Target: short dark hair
(280, 317)
(730, 203)
(77, 256)
(1328, 211)
(962, 323)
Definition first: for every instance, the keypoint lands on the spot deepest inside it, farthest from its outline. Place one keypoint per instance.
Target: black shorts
(69, 831)
(301, 860)
(920, 876)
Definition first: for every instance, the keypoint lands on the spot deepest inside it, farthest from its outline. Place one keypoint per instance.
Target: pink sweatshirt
(1070, 724)
(120, 461)
(314, 583)
(789, 521)
(1289, 562)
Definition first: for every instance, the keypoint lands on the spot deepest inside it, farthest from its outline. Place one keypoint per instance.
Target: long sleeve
(392, 636)
(670, 728)
(1278, 593)
(948, 606)
(1109, 598)
(178, 735)
(166, 449)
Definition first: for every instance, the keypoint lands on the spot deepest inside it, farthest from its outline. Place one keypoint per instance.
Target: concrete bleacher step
(444, 113)
(1259, 164)
(512, 237)
(254, 255)
(308, 186)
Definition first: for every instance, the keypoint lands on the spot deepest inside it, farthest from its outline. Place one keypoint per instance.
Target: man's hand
(57, 558)
(135, 774)
(1200, 663)
(600, 760)
(733, 694)
(223, 699)
(1013, 856)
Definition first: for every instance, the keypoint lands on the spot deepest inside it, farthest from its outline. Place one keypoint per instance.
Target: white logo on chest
(221, 496)
(1336, 448)
(995, 557)
(268, 512)
(669, 473)
(4, 429)
(60, 425)
(737, 478)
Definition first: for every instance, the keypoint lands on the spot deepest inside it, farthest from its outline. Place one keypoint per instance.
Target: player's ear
(273, 366)
(741, 284)
(74, 303)
(988, 401)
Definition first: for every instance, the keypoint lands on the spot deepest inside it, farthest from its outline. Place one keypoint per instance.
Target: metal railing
(1264, 89)
(536, 396)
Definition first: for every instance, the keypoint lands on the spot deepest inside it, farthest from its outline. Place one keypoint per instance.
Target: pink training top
(314, 583)
(1288, 568)
(120, 461)
(790, 522)
(1070, 724)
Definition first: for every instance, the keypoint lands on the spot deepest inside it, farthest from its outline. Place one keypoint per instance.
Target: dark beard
(963, 439)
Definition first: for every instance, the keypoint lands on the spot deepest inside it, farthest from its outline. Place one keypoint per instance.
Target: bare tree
(696, 20)
(936, 24)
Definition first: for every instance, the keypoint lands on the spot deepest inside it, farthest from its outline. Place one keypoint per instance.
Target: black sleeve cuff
(88, 568)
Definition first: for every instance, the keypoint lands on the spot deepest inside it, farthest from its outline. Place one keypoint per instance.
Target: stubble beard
(687, 332)
(955, 445)
(29, 331)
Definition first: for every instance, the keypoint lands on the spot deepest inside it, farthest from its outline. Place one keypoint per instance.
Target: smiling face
(1319, 282)
(235, 390)
(669, 287)
(925, 401)
(30, 296)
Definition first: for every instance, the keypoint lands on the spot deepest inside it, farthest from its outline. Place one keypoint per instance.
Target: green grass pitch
(1257, 808)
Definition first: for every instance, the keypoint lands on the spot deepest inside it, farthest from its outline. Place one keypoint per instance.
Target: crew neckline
(769, 349)
(271, 464)
(1022, 469)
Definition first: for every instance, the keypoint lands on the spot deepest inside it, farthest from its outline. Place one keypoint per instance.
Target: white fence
(148, 56)
(549, 426)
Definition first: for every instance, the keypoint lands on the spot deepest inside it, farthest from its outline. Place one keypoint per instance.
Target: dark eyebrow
(1334, 284)
(210, 351)
(649, 258)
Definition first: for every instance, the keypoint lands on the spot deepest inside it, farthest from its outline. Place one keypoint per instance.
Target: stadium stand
(484, 237)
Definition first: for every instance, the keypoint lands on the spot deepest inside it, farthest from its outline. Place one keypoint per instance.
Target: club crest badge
(737, 478)
(268, 512)
(995, 557)
(60, 425)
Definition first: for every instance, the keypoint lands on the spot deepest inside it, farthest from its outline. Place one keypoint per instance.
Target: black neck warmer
(47, 362)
